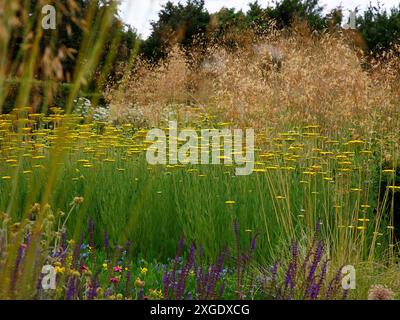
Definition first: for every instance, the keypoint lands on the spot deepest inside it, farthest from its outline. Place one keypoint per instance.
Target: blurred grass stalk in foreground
(28, 53)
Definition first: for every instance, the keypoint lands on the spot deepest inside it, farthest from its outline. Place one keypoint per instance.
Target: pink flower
(84, 268)
(114, 280)
(117, 269)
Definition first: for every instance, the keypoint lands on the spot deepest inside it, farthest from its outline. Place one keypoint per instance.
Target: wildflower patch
(204, 150)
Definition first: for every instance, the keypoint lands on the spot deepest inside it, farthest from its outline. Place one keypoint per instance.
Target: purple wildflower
(166, 283)
(333, 285)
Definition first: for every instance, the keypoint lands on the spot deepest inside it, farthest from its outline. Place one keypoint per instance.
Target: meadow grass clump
(300, 176)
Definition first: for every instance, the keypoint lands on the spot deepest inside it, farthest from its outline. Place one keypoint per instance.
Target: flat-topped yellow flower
(394, 188)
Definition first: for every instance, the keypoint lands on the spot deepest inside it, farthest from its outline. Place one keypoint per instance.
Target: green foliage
(257, 17)
(180, 24)
(157, 205)
(228, 19)
(380, 28)
(286, 11)
(183, 23)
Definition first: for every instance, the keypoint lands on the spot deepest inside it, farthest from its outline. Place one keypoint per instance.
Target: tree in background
(380, 28)
(183, 23)
(285, 12)
(177, 24)
(257, 17)
(228, 27)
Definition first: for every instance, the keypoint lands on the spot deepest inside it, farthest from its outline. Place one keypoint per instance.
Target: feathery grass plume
(320, 81)
(380, 292)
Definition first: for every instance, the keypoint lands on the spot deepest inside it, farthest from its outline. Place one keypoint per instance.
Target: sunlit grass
(300, 177)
